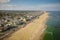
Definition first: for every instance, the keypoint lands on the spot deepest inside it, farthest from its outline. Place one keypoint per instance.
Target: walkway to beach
(32, 31)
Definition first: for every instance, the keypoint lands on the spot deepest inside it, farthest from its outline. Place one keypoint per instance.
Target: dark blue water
(54, 19)
(53, 25)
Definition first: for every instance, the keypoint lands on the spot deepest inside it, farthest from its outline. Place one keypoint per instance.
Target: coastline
(31, 31)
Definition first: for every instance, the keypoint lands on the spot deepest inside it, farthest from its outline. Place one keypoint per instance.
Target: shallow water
(53, 26)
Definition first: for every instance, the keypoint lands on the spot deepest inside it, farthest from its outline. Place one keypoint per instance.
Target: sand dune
(32, 31)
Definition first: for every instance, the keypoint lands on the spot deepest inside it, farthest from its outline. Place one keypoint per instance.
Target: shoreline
(28, 31)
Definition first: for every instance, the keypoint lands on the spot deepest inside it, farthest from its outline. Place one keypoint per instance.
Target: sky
(46, 5)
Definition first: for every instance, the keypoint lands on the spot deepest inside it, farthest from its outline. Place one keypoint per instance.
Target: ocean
(54, 19)
(53, 26)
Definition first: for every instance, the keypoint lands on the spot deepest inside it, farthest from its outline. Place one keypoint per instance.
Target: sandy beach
(32, 31)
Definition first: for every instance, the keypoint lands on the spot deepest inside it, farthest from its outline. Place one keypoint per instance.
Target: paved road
(32, 31)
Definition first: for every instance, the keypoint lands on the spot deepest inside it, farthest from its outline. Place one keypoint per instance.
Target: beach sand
(32, 31)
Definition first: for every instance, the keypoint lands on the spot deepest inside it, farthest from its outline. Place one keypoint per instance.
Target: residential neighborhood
(15, 20)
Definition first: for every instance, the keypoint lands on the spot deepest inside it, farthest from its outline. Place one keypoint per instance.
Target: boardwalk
(32, 31)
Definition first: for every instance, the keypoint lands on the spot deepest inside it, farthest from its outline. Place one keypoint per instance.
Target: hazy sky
(53, 5)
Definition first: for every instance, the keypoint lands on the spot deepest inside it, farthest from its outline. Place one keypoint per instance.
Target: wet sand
(32, 31)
